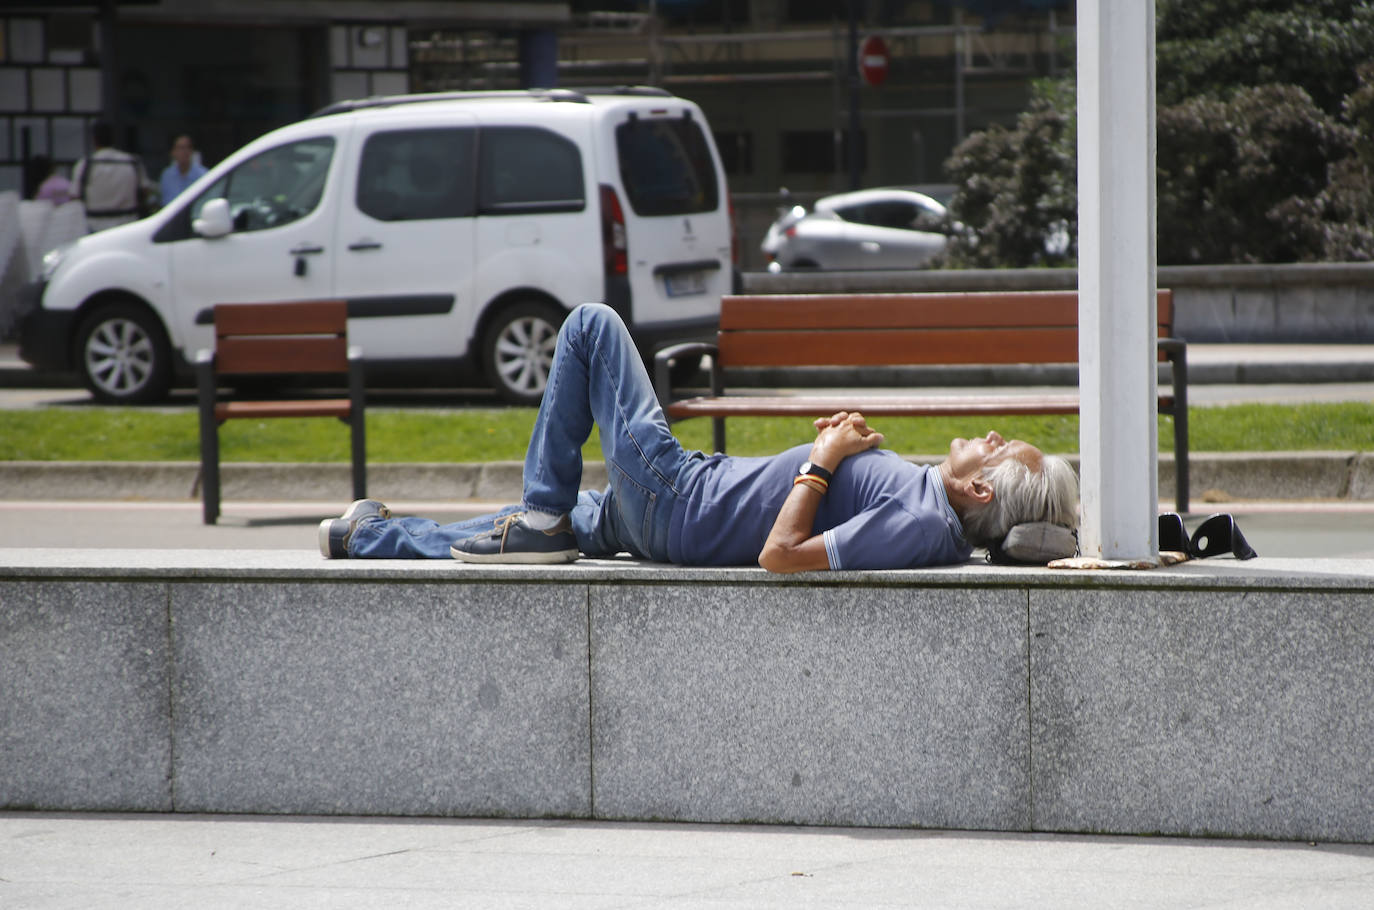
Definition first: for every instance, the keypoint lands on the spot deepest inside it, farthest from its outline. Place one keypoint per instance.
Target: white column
(1116, 278)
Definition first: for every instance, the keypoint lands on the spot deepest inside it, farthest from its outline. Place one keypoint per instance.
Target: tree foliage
(1233, 175)
(1265, 125)
(1016, 187)
(1342, 216)
(1215, 47)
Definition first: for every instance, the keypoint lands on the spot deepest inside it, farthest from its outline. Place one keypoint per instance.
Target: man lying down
(839, 502)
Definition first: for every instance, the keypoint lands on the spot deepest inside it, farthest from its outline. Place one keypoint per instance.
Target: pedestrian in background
(111, 183)
(53, 186)
(183, 171)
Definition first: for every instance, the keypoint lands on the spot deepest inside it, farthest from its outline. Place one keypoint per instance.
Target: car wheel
(517, 350)
(123, 355)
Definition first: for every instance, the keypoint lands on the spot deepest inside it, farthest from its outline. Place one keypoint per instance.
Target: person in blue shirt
(183, 171)
(838, 502)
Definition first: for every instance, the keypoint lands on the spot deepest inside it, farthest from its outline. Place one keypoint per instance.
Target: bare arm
(791, 547)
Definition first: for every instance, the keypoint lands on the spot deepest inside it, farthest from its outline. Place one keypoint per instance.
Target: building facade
(776, 78)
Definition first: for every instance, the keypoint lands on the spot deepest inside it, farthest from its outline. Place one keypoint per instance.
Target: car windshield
(666, 166)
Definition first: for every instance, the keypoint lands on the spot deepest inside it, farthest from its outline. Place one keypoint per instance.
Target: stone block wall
(1211, 699)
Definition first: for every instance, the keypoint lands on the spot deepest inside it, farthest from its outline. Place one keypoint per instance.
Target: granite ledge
(1222, 573)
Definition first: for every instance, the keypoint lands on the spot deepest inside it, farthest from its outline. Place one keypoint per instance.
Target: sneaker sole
(527, 558)
(355, 509)
(325, 527)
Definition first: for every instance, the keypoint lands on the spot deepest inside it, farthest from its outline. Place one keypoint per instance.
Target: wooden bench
(255, 339)
(872, 330)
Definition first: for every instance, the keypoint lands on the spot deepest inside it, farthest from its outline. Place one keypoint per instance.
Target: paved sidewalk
(88, 861)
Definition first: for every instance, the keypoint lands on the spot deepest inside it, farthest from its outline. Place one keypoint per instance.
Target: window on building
(815, 152)
(816, 11)
(705, 13)
(68, 32)
(736, 152)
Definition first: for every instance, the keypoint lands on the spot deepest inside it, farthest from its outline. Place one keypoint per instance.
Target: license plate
(685, 283)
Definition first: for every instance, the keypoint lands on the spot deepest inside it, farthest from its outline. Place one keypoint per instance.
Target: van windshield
(666, 166)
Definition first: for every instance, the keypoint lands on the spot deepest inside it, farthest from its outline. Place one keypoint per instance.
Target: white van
(460, 227)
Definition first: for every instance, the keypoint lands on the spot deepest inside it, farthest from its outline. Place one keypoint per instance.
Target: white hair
(1020, 495)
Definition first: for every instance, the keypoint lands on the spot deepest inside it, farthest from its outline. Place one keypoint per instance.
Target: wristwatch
(815, 471)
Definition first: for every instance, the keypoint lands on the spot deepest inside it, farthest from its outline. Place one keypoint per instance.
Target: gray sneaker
(335, 533)
(511, 540)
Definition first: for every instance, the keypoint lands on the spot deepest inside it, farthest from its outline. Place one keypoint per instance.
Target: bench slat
(876, 406)
(895, 311)
(321, 407)
(270, 354)
(837, 347)
(281, 319)
(1009, 309)
(885, 406)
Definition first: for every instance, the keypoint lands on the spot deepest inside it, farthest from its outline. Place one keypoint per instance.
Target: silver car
(865, 229)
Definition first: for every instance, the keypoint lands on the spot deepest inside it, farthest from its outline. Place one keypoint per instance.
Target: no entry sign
(873, 60)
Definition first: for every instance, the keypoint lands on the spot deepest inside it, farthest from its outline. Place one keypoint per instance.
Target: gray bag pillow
(1035, 543)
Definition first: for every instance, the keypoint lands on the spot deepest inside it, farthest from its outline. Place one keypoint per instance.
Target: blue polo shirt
(174, 181)
(880, 512)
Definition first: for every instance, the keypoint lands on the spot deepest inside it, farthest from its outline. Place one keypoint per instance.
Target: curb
(1216, 477)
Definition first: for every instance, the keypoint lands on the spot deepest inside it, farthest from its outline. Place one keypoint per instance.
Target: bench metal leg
(1181, 491)
(209, 475)
(718, 433)
(359, 432)
(357, 422)
(209, 445)
(1181, 482)
(1177, 352)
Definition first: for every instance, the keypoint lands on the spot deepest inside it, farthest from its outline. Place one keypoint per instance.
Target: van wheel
(123, 355)
(517, 350)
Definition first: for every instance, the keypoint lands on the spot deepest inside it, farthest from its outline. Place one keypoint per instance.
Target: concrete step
(1210, 698)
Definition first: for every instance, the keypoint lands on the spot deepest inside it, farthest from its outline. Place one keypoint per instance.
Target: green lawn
(500, 434)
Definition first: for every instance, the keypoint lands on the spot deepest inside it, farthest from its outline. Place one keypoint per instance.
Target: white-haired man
(838, 502)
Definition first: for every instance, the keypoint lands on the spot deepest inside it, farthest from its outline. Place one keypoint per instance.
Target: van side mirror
(214, 220)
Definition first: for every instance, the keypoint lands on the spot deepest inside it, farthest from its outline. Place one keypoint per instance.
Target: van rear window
(666, 166)
(527, 170)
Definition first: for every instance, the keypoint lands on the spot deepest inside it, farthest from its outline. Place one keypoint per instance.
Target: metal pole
(960, 50)
(852, 141)
(110, 106)
(655, 46)
(1116, 279)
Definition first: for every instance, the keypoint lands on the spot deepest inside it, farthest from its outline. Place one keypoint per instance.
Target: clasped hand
(843, 434)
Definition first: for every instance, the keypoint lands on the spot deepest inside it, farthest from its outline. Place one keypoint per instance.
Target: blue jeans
(596, 378)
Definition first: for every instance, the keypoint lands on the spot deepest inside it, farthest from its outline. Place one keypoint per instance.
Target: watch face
(805, 468)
